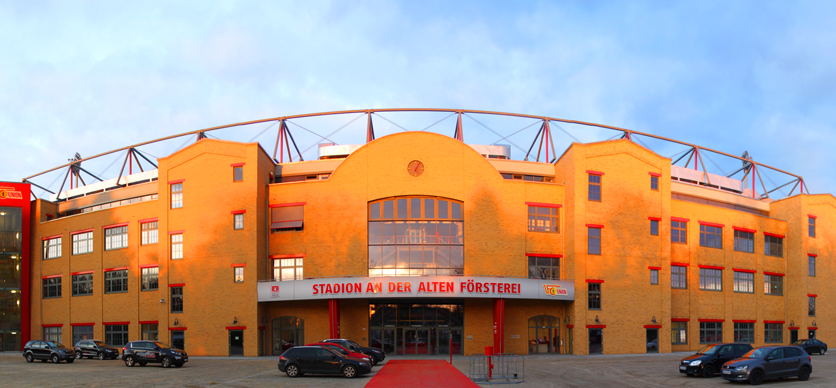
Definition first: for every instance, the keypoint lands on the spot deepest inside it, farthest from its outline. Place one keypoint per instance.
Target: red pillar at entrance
(499, 325)
(334, 317)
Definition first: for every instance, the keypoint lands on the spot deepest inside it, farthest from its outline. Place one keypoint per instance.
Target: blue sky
(91, 76)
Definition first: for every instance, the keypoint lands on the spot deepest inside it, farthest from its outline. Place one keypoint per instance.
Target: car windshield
(100, 343)
(56, 345)
(356, 345)
(710, 349)
(162, 345)
(799, 342)
(758, 353)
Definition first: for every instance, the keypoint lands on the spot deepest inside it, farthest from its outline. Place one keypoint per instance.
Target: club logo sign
(10, 193)
(553, 290)
(274, 292)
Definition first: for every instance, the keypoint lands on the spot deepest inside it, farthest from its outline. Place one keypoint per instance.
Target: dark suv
(376, 355)
(95, 348)
(811, 346)
(48, 350)
(711, 358)
(143, 352)
(769, 362)
(299, 360)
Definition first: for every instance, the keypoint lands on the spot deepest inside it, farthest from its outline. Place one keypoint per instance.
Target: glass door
(596, 341)
(652, 339)
(422, 342)
(399, 345)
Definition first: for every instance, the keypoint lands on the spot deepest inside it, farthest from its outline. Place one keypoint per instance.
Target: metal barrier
(506, 368)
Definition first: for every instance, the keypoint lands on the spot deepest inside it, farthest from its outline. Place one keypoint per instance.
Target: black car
(376, 355)
(811, 346)
(95, 348)
(299, 360)
(48, 350)
(711, 358)
(769, 362)
(143, 352)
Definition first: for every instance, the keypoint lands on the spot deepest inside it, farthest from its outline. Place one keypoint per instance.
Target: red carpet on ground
(419, 373)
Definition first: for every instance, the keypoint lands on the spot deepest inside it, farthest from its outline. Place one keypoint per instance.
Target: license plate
(726, 372)
(681, 367)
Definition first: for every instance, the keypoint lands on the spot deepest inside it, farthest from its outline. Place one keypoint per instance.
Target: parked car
(143, 352)
(95, 348)
(769, 362)
(376, 355)
(811, 346)
(48, 350)
(299, 360)
(343, 351)
(711, 358)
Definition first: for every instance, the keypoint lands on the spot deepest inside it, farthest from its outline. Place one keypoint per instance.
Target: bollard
(489, 353)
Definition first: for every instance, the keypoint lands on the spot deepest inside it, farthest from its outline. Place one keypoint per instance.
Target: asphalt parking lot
(658, 370)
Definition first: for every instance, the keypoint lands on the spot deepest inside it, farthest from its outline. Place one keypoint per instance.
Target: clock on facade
(415, 168)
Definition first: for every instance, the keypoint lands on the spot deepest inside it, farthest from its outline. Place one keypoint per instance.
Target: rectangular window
(150, 332)
(594, 296)
(288, 269)
(594, 247)
(594, 187)
(52, 288)
(811, 227)
(53, 334)
(238, 174)
(679, 333)
(679, 277)
(543, 267)
(289, 218)
(176, 246)
(52, 248)
(773, 285)
(811, 306)
(679, 232)
(149, 233)
(654, 276)
(654, 183)
(654, 228)
(83, 284)
(81, 333)
(176, 299)
(711, 236)
(150, 278)
(711, 279)
(176, 195)
(811, 265)
(744, 241)
(543, 219)
(773, 333)
(116, 335)
(711, 332)
(744, 282)
(116, 238)
(238, 274)
(116, 281)
(238, 221)
(82, 243)
(773, 246)
(744, 332)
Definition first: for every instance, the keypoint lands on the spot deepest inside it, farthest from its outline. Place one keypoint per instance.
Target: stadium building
(417, 243)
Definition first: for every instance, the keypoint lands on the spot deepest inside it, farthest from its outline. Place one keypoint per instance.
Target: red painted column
(499, 325)
(334, 318)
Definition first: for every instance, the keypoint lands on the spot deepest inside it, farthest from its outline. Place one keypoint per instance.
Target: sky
(93, 76)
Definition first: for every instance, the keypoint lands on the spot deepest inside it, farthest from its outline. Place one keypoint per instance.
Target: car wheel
(349, 371)
(29, 358)
(166, 362)
(70, 360)
(101, 356)
(142, 363)
(292, 370)
(756, 377)
(55, 359)
(804, 374)
(78, 355)
(822, 351)
(129, 361)
(708, 371)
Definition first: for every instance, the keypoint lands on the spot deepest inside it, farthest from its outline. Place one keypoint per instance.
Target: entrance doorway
(812, 334)
(417, 328)
(596, 341)
(418, 341)
(793, 336)
(287, 332)
(236, 342)
(652, 339)
(448, 338)
(543, 334)
(178, 339)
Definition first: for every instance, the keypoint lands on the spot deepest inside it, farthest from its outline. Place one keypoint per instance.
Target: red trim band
(781, 322)
(236, 328)
(149, 266)
(812, 328)
(677, 219)
(744, 320)
(711, 267)
(238, 212)
(176, 232)
(773, 273)
(81, 231)
(680, 319)
(543, 255)
(812, 295)
(711, 320)
(116, 225)
(176, 328)
(792, 328)
(812, 254)
(81, 273)
(594, 281)
(291, 256)
(82, 324)
(116, 323)
(149, 322)
(596, 226)
(744, 229)
(773, 235)
(51, 276)
(596, 326)
(656, 268)
(652, 326)
(177, 284)
(812, 216)
(53, 325)
(288, 204)
(51, 237)
(744, 270)
(147, 220)
(716, 225)
(592, 172)
(654, 218)
(262, 327)
(570, 326)
(176, 181)
(115, 269)
(680, 264)
(237, 164)
(656, 174)
(239, 265)
(541, 204)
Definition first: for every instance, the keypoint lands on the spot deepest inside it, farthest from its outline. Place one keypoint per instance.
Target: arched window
(287, 333)
(543, 334)
(413, 236)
